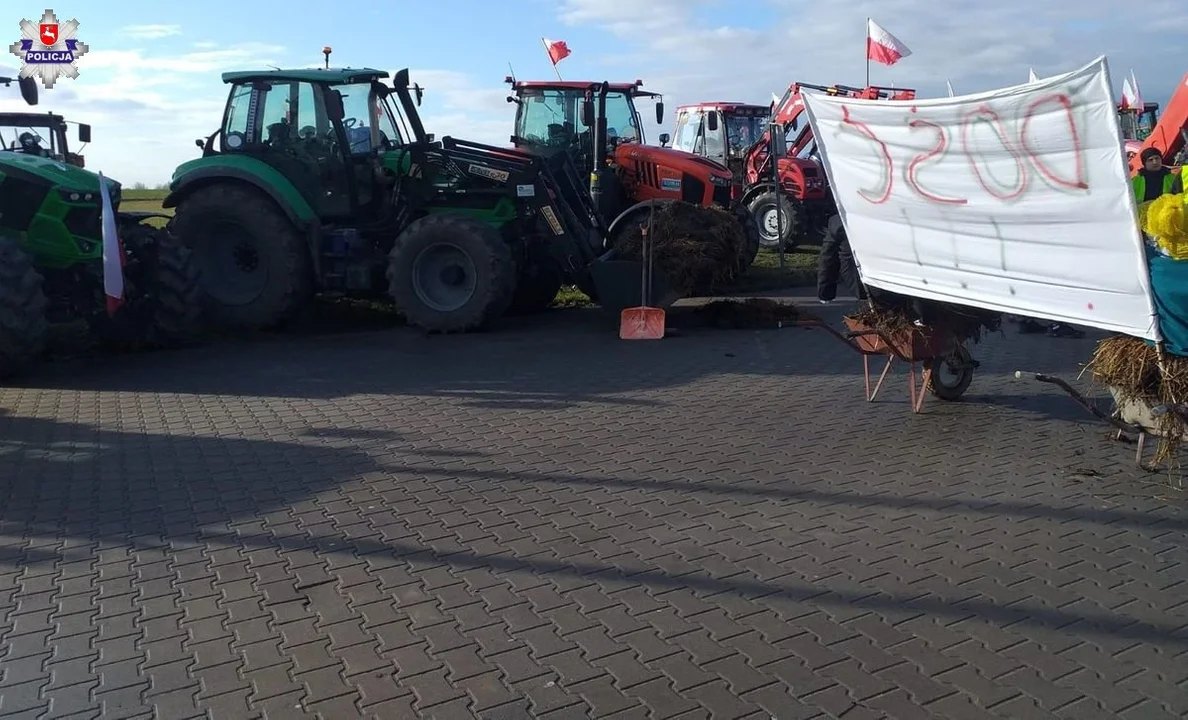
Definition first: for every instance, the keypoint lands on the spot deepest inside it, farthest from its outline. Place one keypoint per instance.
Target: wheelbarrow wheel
(951, 374)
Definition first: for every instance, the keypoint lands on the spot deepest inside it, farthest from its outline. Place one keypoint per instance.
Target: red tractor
(726, 132)
(598, 125)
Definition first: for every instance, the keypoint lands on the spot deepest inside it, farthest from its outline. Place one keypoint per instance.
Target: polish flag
(1137, 93)
(1129, 97)
(882, 46)
(113, 252)
(557, 50)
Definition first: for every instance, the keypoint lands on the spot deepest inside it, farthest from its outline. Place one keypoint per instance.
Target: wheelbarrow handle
(1084, 402)
(851, 334)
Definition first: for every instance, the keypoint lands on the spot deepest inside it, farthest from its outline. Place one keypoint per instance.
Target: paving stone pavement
(547, 522)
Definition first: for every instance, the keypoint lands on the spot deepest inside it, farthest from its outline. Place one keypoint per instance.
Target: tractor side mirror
(84, 133)
(660, 113)
(664, 138)
(28, 90)
(334, 108)
(588, 112)
(711, 121)
(200, 143)
(420, 91)
(779, 143)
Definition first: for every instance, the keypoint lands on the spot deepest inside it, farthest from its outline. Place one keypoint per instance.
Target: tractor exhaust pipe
(600, 149)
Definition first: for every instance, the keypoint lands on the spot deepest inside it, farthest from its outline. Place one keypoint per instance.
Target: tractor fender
(755, 191)
(638, 208)
(262, 177)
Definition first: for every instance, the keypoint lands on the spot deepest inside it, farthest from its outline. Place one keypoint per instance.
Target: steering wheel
(350, 122)
(308, 132)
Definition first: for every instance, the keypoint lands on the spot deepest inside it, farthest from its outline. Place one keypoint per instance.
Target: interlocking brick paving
(547, 522)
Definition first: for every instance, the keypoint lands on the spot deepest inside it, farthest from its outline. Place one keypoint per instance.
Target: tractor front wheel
(162, 301)
(451, 273)
(23, 326)
(775, 212)
(254, 264)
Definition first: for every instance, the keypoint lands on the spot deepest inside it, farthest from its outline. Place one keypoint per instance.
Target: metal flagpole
(866, 50)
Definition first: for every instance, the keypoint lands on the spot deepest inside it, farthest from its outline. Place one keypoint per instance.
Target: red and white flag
(113, 252)
(882, 46)
(1136, 95)
(557, 50)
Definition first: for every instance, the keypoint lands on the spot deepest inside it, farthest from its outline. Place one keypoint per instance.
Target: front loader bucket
(617, 283)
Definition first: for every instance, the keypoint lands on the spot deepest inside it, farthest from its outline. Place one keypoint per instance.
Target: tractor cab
(41, 134)
(599, 126)
(721, 131)
(328, 132)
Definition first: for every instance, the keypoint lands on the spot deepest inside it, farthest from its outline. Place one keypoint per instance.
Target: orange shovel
(643, 322)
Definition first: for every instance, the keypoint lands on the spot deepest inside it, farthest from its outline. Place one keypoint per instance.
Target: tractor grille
(722, 195)
(19, 201)
(693, 189)
(647, 173)
(84, 222)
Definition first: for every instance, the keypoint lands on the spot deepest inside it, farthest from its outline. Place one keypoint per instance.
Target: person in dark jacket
(836, 263)
(1153, 178)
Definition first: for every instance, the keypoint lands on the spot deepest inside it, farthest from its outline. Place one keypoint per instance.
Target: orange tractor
(599, 127)
(735, 134)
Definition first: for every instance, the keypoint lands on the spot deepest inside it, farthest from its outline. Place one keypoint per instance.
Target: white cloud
(150, 32)
(456, 105)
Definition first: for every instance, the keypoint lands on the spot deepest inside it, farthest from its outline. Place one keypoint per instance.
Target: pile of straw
(750, 313)
(701, 250)
(892, 314)
(1135, 370)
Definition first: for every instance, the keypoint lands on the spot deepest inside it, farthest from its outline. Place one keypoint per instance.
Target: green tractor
(51, 250)
(324, 180)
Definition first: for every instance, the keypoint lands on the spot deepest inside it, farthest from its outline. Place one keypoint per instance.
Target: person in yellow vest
(1154, 178)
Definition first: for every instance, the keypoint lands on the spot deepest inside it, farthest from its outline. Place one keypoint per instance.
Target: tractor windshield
(553, 118)
(32, 139)
(743, 131)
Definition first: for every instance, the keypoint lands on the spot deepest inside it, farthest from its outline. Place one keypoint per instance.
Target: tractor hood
(54, 172)
(691, 157)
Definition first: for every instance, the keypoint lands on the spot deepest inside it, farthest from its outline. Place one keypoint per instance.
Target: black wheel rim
(444, 277)
(232, 263)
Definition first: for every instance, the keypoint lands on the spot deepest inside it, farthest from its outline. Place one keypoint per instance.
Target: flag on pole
(882, 46)
(1128, 96)
(557, 50)
(949, 85)
(1031, 76)
(113, 252)
(1138, 93)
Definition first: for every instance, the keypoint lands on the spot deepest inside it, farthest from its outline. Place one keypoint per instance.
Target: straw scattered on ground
(752, 313)
(1133, 368)
(699, 249)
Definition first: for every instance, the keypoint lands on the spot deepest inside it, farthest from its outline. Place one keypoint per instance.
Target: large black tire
(537, 284)
(162, 301)
(254, 264)
(23, 326)
(451, 273)
(763, 207)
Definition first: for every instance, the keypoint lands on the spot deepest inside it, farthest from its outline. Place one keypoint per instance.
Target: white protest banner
(1015, 200)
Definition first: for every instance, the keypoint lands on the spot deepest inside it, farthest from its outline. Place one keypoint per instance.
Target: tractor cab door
(713, 137)
(365, 129)
(687, 131)
(284, 124)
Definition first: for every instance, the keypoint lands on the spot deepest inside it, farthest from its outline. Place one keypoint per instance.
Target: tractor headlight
(77, 196)
(720, 181)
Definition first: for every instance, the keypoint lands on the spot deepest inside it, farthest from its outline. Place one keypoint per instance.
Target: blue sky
(150, 84)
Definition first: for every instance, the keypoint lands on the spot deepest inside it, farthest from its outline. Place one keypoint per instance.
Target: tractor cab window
(743, 131)
(621, 121)
(390, 135)
(685, 137)
(359, 118)
(551, 118)
(30, 140)
(235, 125)
(1128, 120)
(715, 141)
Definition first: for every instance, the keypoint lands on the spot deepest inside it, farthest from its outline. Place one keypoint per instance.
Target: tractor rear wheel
(451, 273)
(537, 283)
(254, 264)
(162, 300)
(765, 207)
(23, 325)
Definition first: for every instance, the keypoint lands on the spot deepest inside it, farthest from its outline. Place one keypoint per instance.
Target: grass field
(766, 275)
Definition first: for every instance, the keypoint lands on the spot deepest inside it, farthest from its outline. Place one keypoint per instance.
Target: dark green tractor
(325, 181)
(51, 250)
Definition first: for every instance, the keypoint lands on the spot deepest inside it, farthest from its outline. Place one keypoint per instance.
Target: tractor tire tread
(23, 306)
